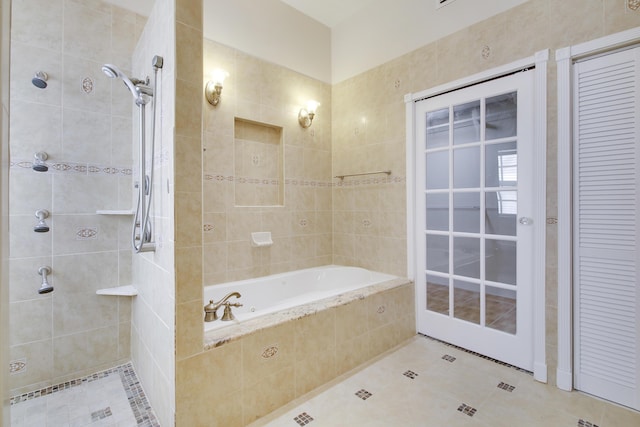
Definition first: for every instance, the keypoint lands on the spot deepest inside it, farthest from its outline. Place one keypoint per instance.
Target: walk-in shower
(141, 234)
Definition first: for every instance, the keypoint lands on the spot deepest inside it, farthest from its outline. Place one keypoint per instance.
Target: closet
(606, 257)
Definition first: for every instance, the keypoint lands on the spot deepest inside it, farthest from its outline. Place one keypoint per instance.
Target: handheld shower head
(114, 72)
(110, 70)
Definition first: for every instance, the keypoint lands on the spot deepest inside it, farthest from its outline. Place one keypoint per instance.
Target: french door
(474, 204)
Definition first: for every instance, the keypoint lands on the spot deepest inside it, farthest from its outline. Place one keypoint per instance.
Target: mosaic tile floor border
(142, 411)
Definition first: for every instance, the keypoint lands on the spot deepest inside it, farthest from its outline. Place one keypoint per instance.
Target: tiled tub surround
(285, 292)
(258, 91)
(251, 369)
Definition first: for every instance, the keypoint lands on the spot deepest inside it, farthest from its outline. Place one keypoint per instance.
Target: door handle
(525, 221)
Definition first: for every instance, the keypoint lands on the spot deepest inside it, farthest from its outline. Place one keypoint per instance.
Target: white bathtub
(286, 291)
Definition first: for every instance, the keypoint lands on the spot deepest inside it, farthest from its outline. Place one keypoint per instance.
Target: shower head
(110, 70)
(114, 72)
(46, 287)
(41, 226)
(40, 80)
(39, 164)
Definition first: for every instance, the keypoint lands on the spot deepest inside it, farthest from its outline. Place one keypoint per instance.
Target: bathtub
(295, 332)
(291, 294)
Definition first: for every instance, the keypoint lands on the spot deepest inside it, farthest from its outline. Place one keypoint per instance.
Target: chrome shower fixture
(46, 287)
(41, 226)
(140, 89)
(40, 80)
(39, 164)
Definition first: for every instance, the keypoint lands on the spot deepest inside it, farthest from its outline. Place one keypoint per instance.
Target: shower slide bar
(342, 177)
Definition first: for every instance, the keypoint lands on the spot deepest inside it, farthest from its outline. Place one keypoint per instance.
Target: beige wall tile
(270, 350)
(188, 219)
(34, 128)
(38, 23)
(188, 265)
(39, 362)
(268, 394)
(189, 12)
(189, 329)
(189, 53)
(30, 321)
(84, 31)
(188, 112)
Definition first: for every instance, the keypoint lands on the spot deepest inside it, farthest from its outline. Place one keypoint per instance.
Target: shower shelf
(115, 212)
(122, 291)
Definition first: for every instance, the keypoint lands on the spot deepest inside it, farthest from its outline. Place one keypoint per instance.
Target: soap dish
(261, 238)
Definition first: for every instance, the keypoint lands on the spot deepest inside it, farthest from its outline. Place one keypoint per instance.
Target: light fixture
(306, 115)
(213, 89)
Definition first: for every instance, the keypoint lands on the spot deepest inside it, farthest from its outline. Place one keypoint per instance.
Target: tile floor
(112, 398)
(429, 383)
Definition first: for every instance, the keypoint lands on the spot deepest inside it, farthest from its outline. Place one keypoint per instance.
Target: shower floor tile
(464, 389)
(112, 398)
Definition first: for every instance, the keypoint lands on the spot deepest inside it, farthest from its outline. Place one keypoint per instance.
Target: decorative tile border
(145, 417)
(74, 168)
(137, 399)
(304, 182)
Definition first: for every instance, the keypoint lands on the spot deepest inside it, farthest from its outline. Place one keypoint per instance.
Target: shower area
(81, 276)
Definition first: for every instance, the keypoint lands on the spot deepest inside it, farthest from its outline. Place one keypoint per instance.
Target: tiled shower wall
(5, 35)
(369, 124)
(153, 312)
(83, 120)
(266, 93)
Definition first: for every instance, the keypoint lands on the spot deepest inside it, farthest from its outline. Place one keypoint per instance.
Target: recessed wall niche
(258, 164)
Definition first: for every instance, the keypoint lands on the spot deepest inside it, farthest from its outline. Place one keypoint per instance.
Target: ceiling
(328, 12)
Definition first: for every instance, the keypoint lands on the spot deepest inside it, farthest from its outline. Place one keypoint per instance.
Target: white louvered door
(606, 257)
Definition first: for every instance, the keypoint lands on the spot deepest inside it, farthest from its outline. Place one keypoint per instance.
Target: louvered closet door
(606, 185)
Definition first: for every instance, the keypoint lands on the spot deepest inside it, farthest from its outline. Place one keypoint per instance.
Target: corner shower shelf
(122, 291)
(115, 212)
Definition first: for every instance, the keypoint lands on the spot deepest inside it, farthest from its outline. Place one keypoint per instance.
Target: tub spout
(211, 309)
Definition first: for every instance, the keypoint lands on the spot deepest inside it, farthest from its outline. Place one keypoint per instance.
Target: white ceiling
(328, 12)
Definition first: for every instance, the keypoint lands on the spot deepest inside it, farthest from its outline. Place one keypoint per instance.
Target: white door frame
(565, 58)
(539, 60)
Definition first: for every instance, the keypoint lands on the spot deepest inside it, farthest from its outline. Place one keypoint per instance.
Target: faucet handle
(228, 315)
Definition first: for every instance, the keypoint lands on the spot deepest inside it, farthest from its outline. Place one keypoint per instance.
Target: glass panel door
(477, 153)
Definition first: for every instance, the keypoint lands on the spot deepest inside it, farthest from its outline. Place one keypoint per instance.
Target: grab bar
(342, 177)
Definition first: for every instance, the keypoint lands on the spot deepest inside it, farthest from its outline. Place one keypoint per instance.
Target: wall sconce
(213, 89)
(306, 115)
